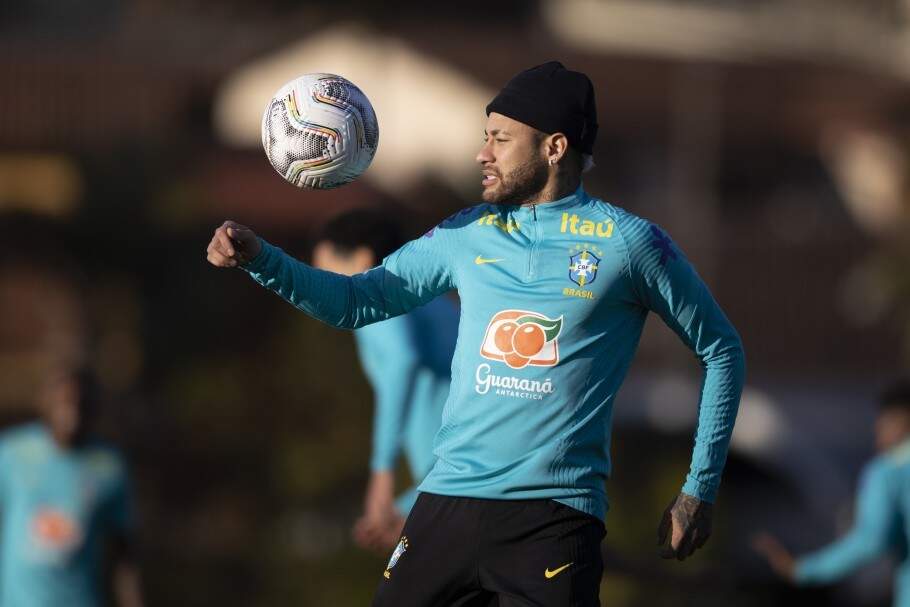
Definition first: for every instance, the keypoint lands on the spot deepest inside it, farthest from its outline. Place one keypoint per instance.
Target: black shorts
(459, 552)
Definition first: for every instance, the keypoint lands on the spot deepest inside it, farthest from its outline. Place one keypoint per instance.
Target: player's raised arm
(667, 283)
(409, 277)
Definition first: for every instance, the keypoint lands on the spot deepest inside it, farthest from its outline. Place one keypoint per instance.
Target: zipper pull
(534, 210)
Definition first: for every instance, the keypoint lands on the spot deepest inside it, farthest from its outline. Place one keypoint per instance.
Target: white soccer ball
(319, 131)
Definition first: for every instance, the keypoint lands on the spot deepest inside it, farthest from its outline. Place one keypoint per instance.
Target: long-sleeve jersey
(554, 298)
(58, 507)
(408, 361)
(882, 527)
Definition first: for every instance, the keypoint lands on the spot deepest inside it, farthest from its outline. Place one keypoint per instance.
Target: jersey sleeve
(666, 283)
(409, 277)
(391, 361)
(872, 534)
(405, 502)
(120, 515)
(5, 468)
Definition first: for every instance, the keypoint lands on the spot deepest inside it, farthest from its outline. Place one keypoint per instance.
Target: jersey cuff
(258, 263)
(382, 463)
(801, 573)
(702, 491)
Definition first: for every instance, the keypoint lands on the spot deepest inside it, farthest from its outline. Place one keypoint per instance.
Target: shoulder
(105, 460)
(883, 470)
(647, 245)
(462, 219)
(897, 458)
(24, 439)
(632, 228)
(22, 432)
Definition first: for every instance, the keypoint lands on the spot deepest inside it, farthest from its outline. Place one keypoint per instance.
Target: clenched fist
(684, 527)
(232, 245)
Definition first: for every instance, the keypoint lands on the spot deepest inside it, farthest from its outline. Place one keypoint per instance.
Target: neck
(559, 185)
(68, 442)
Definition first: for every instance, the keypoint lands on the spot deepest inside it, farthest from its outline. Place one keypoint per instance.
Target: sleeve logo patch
(662, 242)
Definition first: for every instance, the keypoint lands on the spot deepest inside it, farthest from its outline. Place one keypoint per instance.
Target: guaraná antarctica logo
(55, 530)
(520, 338)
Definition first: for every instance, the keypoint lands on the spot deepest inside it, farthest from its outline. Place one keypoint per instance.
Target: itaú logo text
(520, 338)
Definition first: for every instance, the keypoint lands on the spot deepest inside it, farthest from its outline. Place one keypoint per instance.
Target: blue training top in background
(882, 527)
(408, 361)
(57, 506)
(554, 298)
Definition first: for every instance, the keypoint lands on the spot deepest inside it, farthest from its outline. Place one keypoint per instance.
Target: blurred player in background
(64, 499)
(882, 518)
(555, 288)
(408, 361)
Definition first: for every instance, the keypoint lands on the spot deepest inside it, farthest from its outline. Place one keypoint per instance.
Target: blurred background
(770, 137)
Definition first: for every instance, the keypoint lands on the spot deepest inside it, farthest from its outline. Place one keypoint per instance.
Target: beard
(521, 185)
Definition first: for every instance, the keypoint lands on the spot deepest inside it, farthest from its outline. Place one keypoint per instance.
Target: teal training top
(56, 507)
(554, 298)
(882, 527)
(408, 361)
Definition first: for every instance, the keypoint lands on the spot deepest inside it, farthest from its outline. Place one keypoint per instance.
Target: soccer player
(555, 288)
(882, 511)
(63, 495)
(407, 360)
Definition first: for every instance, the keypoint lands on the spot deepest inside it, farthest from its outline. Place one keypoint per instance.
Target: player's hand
(781, 560)
(232, 245)
(378, 535)
(379, 527)
(685, 527)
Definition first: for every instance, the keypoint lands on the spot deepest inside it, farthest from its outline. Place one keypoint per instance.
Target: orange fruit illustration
(503, 336)
(516, 361)
(528, 340)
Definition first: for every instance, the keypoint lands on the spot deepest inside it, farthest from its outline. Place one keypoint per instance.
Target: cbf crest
(583, 263)
(400, 549)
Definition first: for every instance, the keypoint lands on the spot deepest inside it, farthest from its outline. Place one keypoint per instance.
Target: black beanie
(551, 99)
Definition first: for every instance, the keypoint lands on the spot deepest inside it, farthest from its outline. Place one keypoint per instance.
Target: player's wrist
(701, 491)
(258, 254)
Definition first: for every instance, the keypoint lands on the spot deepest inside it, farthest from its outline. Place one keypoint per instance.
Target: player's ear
(555, 147)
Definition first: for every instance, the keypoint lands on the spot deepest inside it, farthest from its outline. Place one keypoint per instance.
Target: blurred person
(555, 288)
(882, 518)
(63, 496)
(407, 360)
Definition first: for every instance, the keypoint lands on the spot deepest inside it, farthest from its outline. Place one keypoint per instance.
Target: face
(63, 410)
(512, 160)
(326, 256)
(892, 427)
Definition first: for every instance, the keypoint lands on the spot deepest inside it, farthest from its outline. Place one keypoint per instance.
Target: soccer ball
(319, 131)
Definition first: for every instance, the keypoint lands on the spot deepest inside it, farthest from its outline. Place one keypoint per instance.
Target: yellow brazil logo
(551, 574)
(494, 219)
(584, 261)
